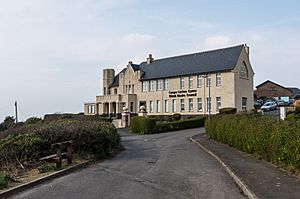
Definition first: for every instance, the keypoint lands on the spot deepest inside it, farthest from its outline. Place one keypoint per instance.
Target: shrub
(30, 142)
(5, 179)
(274, 141)
(33, 120)
(175, 117)
(179, 125)
(44, 168)
(142, 125)
(227, 110)
(20, 150)
(145, 125)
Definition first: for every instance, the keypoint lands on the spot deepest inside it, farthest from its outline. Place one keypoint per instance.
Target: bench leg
(69, 154)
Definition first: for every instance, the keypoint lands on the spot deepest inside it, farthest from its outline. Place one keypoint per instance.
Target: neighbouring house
(295, 92)
(269, 89)
(193, 84)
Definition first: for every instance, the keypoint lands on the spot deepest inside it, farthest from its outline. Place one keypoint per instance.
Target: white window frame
(151, 85)
(199, 81)
(218, 79)
(200, 106)
(159, 84)
(191, 82)
(244, 71)
(166, 106)
(166, 84)
(244, 106)
(158, 105)
(144, 86)
(181, 82)
(191, 105)
(182, 105)
(174, 105)
(218, 103)
(151, 104)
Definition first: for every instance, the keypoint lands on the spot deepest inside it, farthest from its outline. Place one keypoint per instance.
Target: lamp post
(209, 97)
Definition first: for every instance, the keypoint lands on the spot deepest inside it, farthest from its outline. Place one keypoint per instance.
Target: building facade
(193, 84)
(269, 89)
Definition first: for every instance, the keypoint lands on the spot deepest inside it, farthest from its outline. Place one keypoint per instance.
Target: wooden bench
(59, 156)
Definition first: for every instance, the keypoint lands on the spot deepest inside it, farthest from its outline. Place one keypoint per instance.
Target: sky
(52, 52)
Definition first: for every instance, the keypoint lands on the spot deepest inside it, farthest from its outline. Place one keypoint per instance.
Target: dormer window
(244, 71)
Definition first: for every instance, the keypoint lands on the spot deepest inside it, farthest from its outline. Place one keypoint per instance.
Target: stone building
(193, 84)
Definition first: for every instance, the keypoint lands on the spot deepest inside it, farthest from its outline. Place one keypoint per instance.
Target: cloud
(217, 41)
(137, 38)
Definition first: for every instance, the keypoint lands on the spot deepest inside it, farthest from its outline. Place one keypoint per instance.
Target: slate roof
(116, 79)
(198, 63)
(295, 91)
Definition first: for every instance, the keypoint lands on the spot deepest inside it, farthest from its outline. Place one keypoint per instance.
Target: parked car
(281, 103)
(269, 106)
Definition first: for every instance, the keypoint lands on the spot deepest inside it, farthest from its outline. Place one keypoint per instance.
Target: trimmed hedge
(274, 141)
(31, 142)
(142, 125)
(227, 110)
(145, 125)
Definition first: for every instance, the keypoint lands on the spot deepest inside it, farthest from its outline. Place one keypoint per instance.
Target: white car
(269, 106)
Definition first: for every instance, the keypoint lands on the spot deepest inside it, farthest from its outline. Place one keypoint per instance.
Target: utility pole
(16, 110)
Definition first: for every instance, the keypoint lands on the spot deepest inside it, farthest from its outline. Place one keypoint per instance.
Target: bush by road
(274, 141)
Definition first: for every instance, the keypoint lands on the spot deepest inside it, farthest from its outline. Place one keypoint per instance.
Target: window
(104, 91)
(244, 71)
(131, 107)
(244, 103)
(91, 109)
(158, 106)
(166, 86)
(181, 82)
(151, 106)
(273, 89)
(166, 106)
(182, 105)
(208, 81)
(199, 81)
(132, 90)
(200, 104)
(126, 89)
(218, 79)
(174, 106)
(190, 82)
(208, 105)
(218, 101)
(115, 91)
(129, 89)
(144, 86)
(191, 105)
(159, 85)
(151, 86)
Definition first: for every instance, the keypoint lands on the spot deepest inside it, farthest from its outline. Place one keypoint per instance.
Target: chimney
(247, 49)
(150, 59)
(129, 63)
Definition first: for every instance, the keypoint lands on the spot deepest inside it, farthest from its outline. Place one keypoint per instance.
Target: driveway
(152, 166)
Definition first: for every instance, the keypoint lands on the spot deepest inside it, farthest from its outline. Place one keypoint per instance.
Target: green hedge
(145, 125)
(274, 141)
(142, 125)
(227, 110)
(30, 142)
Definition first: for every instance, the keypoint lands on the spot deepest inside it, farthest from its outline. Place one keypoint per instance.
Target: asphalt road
(153, 166)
